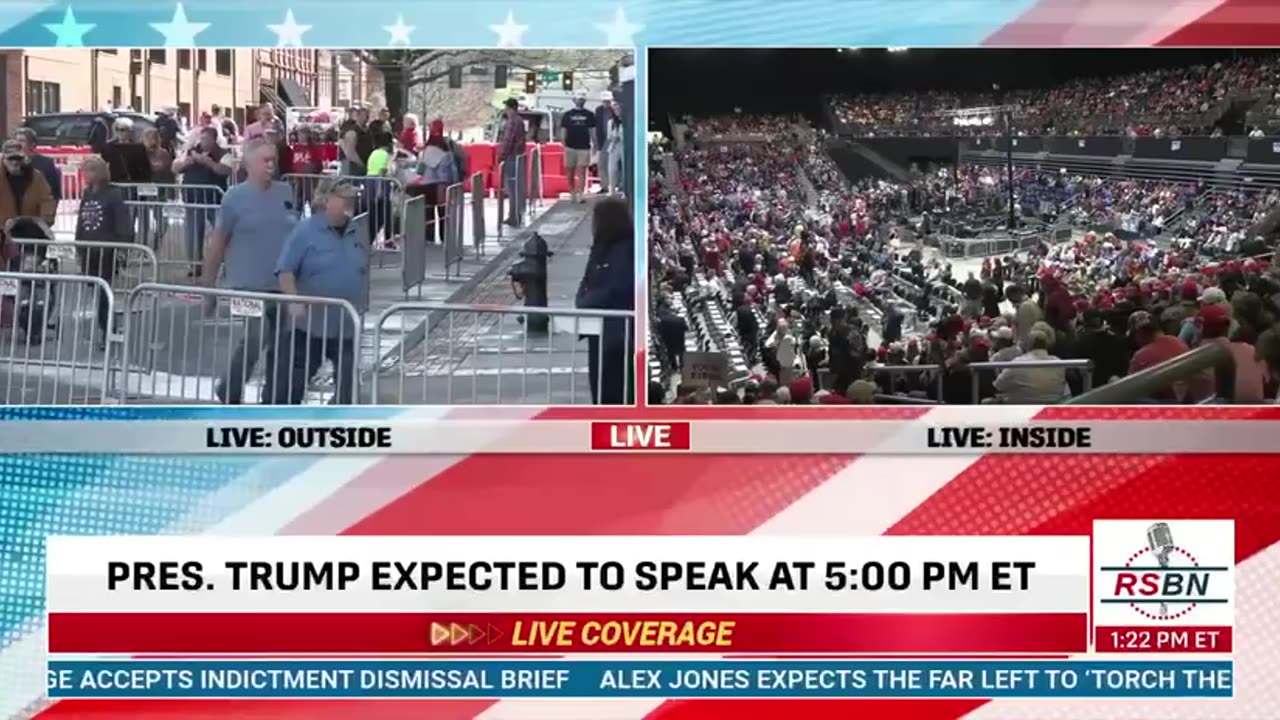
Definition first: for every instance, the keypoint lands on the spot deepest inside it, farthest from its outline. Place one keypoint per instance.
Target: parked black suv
(60, 129)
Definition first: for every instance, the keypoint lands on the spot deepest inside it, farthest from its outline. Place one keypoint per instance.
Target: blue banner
(624, 678)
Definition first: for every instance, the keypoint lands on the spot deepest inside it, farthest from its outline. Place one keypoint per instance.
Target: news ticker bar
(565, 679)
(468, 437)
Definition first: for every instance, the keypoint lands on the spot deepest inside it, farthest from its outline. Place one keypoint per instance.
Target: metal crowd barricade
(122, 265)
(175, 221)
(54, 338)
(413, 266)
(487, 355)
(1085, 368)
(477, 214)
(512, 190)
(228, 346)
(976, 369)
(534, 194)
(381, 198)
(452, 229)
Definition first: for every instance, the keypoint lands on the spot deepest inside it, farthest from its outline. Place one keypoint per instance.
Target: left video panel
(284, 227)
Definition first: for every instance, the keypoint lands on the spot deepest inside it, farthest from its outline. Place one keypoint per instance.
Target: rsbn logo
(1163, 581)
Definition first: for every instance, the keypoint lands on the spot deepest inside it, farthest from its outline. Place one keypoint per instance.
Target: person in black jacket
(609, 284)
(126, 156)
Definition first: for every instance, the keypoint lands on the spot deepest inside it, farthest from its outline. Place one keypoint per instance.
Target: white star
(69, 32)
(290, 33)
(399, 32)
(180, 32)
(509, 33)
(619, 32)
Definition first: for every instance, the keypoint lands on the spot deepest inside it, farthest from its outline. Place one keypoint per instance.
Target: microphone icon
(1160, 540)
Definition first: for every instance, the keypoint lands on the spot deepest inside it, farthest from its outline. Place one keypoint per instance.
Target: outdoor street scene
(286, 226)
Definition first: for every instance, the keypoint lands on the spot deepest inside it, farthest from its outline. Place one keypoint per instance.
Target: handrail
(1146, 383)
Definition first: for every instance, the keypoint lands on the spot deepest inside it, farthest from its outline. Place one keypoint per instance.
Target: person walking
(103, 217)
(511, 142)
(577, 127)
(323, 257)
(604, 116)
(256, 218)
(205, 171)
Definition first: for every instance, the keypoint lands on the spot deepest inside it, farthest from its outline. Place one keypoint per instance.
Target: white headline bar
(570, 574)
(469, 437)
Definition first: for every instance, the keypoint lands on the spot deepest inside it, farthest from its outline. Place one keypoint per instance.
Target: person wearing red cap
(437, 170)
(1244, 383)
(1156, 347)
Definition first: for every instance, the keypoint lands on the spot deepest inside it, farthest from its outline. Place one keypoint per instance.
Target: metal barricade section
(55, 338)
(484, 354)
(452, 227)
(175, 221)
(478, 229)
(413, 268)
(935, 376)
(513, 193)
(198, 345)
(535, 179)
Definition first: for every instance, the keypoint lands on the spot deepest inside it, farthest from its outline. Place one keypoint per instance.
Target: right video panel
(963, 226)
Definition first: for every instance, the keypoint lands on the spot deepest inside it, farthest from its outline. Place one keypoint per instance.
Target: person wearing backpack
(437, 170)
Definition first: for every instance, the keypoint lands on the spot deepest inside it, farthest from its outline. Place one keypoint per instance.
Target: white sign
(1175, 145)
(1275, 147)
(63, 252)
(1080, 143)
(148, 191)
(246, 307)
(8, 287)
(705, 369)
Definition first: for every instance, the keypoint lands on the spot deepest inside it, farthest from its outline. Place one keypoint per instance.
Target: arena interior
(915, 226)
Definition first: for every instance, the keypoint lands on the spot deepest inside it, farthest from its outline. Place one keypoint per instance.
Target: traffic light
(500, 77)
(566, 81)
(531, 83)
(455, 77)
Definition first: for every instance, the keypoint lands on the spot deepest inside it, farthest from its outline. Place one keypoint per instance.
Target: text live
(639, 436)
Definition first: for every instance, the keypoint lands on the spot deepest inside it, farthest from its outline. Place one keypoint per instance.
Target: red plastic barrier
(555, 181)
(68, 158)
(481, 158)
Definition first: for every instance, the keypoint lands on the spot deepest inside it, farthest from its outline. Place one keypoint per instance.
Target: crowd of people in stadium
(838, 298)
(1160, 102)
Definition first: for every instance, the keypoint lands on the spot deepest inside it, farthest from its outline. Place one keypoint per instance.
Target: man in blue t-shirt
(576, 132)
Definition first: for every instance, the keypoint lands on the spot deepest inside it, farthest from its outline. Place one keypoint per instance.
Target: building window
(157, 56)
(222, 62)
(109, 51)
(43, 97)
(184, 59)
(184, 110)
(202, 60)
(117, 96)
